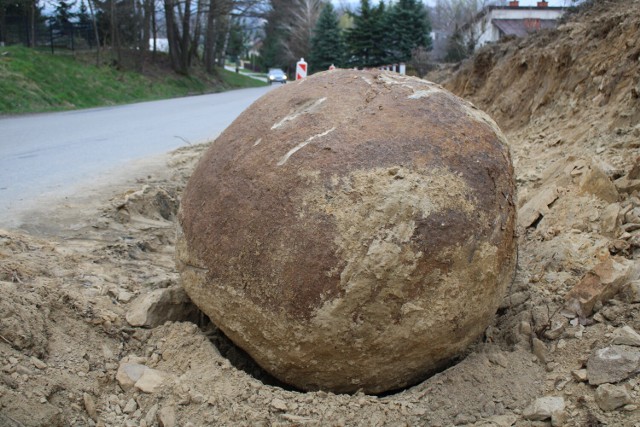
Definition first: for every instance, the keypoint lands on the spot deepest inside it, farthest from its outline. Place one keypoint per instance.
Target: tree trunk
(3, 23)
(198, 30)
(95, 32)
(210, 39)
(32, 23)
(154, 29)
(144, 23)
(185, 58)
(115, 39)
(225, 43)
(173, 37)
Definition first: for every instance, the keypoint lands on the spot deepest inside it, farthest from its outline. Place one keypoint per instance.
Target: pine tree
(365, 41)
(456, 48)
(63, 15)
(409, 28)
(83, 15)
(327, 46)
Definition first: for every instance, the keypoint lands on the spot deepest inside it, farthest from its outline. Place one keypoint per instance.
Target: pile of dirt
(562, 350)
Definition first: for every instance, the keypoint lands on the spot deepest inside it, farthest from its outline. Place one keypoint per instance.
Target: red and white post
(301, 69)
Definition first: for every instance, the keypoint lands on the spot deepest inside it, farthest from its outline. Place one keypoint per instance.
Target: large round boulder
(351, 231)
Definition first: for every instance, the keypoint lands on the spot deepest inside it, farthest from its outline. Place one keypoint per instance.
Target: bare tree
(178, 19)
(302, 21)
(451, 15)
(289, 29)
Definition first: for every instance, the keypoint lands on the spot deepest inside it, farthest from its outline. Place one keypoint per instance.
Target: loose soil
(568, 101)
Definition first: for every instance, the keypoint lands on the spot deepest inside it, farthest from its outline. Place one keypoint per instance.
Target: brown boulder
(354, 230)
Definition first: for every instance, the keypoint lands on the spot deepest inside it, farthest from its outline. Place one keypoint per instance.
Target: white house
(495, 22)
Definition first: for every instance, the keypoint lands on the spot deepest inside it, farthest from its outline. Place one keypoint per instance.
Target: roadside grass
(36, 81)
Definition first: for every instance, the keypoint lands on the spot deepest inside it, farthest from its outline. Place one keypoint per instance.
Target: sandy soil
(73, 271)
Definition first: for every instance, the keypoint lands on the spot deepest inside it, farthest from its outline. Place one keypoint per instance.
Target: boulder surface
(351, 231)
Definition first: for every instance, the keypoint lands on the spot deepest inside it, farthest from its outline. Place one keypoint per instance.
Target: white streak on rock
(303, 144)
(305, 109)
(424, 93)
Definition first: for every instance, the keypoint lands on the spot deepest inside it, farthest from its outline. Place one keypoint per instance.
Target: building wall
(490, 33)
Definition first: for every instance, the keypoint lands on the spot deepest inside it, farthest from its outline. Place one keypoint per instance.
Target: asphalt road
(47, 154)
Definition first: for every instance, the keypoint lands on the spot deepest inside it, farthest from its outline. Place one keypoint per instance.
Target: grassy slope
(33, 81)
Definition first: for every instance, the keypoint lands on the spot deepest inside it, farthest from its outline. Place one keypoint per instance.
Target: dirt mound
(586, 71)
(568, 102)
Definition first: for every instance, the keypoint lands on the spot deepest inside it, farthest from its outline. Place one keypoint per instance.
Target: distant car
(277, 75)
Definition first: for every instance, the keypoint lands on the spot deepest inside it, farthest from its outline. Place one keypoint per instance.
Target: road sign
(301, 69)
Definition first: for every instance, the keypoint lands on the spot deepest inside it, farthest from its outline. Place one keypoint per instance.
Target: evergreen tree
(83, 15)
(365, 41)
(409, 28)
(272, 50)
(327, 46)
(456, 48)
(63, 15)
(236, 45)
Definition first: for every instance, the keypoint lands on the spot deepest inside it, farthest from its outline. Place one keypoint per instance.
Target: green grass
(36, 81)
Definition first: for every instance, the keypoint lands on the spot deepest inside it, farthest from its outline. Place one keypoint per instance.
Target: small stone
(128, 374)
(558, 419)
(159, 306)
(630, 408)
(514, 299)
(497, 358)
(544, 408)
(580, 375)
(150, 380)
(90, 406)
(125, 296)
(197, 398)
(150, 417)
(130, 407)
(610, 397)
(38, 363)
(278, 405)
(632, 291)
(595, 181)
(626, 336)
(612, 364)
(540, 350)
(23, 370)
(463, 419)
(167, 417)
(598, 285)
(505, 420)
(556, 330)
(609, 219)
